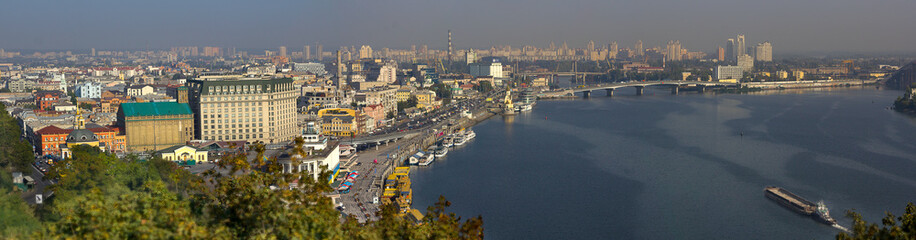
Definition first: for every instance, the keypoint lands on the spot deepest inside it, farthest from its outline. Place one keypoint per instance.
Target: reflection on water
(691, 166)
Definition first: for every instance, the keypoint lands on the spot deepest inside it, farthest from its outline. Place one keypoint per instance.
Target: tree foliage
(442, 90)
(100, 196)
(412, 101)
(484, 86)
(15, 153)
(892, 227)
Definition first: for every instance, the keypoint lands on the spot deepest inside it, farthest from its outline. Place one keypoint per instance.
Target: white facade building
(139, 90)
(89, 90)
(494, 69)
(728, 72)
(312, 67)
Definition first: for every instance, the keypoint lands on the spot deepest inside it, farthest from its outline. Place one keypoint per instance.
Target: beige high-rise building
(764, 52)
(674, 51)
(640, 50)
(244, 109)
(307, 52)
(740, 48)
(365, 51)
(283, 51)
(746, 62)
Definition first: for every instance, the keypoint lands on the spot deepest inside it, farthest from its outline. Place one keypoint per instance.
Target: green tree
(412, 101)
(72, 97)
(86, 106)
(484, 86)
(892, 227)
(15, 153)
(442, 90)
(151, 213)
(16, 219)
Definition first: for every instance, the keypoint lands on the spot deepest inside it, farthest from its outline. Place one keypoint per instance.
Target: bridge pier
(674, 90)
(701, 89)
(610, 92)
(639, 90)
(586, 94)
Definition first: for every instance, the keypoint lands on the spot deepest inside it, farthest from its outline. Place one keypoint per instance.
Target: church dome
(82, 135)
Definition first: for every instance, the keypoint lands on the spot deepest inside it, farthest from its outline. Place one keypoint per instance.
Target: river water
(691, 166)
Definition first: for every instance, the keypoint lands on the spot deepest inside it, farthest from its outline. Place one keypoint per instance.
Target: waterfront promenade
(376, 163)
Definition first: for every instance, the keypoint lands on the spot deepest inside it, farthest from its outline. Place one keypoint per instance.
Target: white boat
(448, 140)
(459, 139)
(425, 158)
(521, 107)
(416, 158)
(470, 134)
(440, 151)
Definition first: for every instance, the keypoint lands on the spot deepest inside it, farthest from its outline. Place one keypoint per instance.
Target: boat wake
(837, 226)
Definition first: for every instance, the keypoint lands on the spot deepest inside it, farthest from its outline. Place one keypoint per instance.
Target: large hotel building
(249, 109)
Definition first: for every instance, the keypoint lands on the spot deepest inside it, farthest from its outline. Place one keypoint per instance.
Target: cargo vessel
(800, 205)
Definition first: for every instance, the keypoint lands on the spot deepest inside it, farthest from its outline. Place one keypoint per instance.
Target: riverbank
(806, 84)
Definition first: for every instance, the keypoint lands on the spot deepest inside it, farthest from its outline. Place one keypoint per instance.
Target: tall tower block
(449, 45)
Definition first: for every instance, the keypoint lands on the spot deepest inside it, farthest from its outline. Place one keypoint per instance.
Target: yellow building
(79, 136)
(426, 99)
(156, 125)
(339, 122)
(403, 95)
(184, 154)
(798, 74)
(782, 74)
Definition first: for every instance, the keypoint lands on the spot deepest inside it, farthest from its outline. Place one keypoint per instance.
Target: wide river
(691, 166)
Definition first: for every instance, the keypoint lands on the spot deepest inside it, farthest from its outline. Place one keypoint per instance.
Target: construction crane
(849, 65)
(441, 66)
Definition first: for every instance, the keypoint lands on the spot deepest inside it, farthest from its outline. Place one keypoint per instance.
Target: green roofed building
(156, 125)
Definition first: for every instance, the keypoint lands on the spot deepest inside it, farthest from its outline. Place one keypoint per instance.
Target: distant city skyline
(809, 26)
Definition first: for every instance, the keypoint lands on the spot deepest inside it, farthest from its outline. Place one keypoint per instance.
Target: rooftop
(155, 109)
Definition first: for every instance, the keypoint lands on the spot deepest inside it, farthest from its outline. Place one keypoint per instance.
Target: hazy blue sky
(790, 25)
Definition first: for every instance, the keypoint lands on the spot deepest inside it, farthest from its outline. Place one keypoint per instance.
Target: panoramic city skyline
(810, 26)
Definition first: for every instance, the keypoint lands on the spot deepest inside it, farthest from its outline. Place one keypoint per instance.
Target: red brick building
(46, 100)
(52, 137)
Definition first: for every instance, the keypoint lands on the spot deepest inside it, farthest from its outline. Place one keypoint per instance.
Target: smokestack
(339, 72)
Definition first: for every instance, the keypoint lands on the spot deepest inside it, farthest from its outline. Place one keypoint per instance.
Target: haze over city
(448, 119)
(792, 26)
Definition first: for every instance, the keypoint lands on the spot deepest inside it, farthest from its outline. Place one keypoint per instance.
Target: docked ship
(440, 151)
(800, 205)
(520, 107)
(526, 102)
(470, 134)
(423, 158)
(459, 140)
(448, 141)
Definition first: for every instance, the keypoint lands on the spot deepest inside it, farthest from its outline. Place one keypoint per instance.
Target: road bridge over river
(610, 87)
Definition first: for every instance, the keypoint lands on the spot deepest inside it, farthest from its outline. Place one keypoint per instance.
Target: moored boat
(459, 139)
(440, 151)
(470, 134)
(425, 158)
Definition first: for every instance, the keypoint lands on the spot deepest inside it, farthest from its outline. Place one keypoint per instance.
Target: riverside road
(374, 162)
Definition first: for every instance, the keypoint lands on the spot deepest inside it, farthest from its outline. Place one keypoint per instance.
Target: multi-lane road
(362, 201)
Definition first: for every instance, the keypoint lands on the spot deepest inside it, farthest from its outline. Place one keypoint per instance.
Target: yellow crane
(441, 66)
